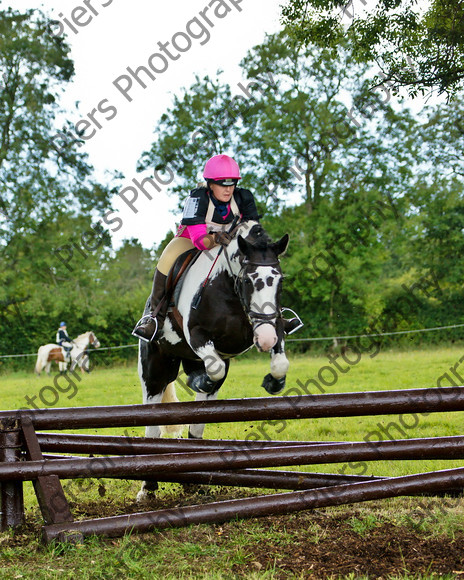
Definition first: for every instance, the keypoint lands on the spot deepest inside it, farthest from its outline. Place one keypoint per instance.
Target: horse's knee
(201, 383)
(279, 365)
(216, 369)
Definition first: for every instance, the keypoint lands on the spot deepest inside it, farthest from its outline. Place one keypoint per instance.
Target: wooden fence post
(11, 492)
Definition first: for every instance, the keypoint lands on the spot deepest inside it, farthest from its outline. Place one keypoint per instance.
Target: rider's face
(222, 193)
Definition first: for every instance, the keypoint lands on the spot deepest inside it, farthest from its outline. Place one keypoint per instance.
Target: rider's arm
(193, 219)
(200, 239)
(247, 204)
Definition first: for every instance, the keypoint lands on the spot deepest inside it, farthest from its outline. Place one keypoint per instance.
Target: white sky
(126, 33)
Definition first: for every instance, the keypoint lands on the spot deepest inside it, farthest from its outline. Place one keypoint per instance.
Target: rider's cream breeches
(175, 248)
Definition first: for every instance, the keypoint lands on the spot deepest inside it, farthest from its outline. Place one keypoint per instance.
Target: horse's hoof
(272, 385)
(143, 496)
(148, 491)
(200, 383)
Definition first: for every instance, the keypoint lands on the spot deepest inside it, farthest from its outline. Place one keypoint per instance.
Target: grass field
(205, 551)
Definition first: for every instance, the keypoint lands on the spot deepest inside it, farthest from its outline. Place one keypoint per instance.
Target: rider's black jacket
(197, 205)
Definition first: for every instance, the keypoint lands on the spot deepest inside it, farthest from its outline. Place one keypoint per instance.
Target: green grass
(208, 553)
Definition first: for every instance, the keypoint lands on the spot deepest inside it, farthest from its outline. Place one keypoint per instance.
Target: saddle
(175, 278)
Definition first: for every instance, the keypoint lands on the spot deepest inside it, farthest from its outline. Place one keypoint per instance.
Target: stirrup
(295, 316)
(144, 320)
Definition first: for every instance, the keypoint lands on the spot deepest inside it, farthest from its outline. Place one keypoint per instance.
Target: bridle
(240, 282)
(93, 340)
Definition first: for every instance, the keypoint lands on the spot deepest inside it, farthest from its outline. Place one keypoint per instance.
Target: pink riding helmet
(221, 167)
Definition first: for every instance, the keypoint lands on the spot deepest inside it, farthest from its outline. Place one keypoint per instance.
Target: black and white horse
(239, 307)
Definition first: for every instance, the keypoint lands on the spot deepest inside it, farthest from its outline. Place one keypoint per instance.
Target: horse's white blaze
(214, 365)
(169, 333)
(263, 298)
(279, 365)
(263, 301)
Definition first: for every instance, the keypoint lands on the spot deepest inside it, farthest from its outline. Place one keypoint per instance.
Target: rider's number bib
(191, 207)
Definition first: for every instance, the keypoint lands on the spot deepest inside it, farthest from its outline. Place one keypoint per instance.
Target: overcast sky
(107, 36)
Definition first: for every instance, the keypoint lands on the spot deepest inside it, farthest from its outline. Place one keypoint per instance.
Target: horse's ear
(243, 245)
(280, 246)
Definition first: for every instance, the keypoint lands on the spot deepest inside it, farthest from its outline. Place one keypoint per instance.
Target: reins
(199, 296)
(256, 318)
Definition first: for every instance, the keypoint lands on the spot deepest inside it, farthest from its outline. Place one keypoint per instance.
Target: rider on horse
(64, 341)
(207, 211)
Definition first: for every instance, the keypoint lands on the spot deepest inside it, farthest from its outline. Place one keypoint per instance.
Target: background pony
(49, 353)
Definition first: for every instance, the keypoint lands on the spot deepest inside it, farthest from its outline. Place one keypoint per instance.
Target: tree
(48, 197)
(289, 92)
(307, 137)
(415, 46)
(196, 127)
(37, 177)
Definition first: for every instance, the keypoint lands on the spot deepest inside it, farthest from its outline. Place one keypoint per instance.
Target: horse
(228, 302)
(49, 353)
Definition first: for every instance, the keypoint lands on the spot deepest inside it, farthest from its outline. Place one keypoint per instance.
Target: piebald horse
(49, 353)
(239, 307)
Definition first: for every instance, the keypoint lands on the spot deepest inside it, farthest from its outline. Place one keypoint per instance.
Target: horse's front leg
(196, 430)
(83, 361)
(209, 380)
(274, 382)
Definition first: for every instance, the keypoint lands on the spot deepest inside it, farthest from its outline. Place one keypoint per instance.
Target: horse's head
(93, 340)
(259, 283)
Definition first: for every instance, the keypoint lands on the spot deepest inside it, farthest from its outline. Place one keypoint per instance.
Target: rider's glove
(222, 238)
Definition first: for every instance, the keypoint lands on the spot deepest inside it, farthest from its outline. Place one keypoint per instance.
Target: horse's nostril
(265, 337)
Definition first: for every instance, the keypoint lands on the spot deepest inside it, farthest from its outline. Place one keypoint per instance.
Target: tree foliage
(352, 175)
(371, 195)
(48, 196)
(417, 46)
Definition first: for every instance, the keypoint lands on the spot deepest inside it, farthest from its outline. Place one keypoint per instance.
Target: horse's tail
(39, 365)
(170, 396)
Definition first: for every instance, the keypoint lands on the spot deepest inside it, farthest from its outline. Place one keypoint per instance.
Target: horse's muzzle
(265, 337)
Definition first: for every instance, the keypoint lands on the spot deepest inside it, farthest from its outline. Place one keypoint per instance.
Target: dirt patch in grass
(385, 551)
(332, 543)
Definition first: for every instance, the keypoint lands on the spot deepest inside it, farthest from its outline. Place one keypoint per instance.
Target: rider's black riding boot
(147, 327)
